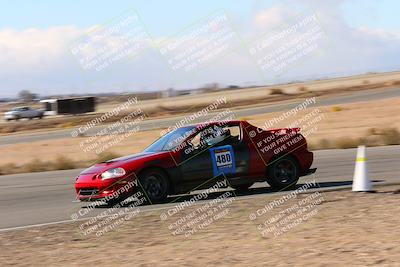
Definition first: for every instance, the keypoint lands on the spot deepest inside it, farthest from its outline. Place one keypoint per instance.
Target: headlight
(113, 173)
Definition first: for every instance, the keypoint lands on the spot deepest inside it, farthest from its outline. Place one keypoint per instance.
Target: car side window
(204, 138)
(216, 134)
(234, 134)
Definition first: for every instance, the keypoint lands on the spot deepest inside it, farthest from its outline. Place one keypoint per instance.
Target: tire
(155, 185)
(283, 173)
(242, 187)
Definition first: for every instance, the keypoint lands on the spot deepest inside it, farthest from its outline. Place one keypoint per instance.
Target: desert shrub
(36, 165)
(373, 131)
(324, 144)
(276, 91)
(336, 109)
(63, 163)
(364, 141)
(390, 136)
(9, 168)
(303, 89)
(346, 142)
(68, 124)
(321, 144)
(365, 82)
(105, 156)
(8, 129)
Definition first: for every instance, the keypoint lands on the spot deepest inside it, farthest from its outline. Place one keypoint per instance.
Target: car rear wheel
(155, 185)
(283, 173)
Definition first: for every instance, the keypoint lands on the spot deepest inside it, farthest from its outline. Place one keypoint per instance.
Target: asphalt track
(359, 96)
(46, 198)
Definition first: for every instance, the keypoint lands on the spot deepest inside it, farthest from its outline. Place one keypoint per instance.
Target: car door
(24, 112)
(231, 155)
(30, 113)
(218, 152)
(195, 162)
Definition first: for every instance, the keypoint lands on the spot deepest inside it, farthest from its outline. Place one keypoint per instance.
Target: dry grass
(372, 137)
(60, 163)
(64, 163)
(36, 165)
(276, 91)
(360, 123)
(345, 142)
(391, 136)
(105, 156)
(336, 109)
(237, 98)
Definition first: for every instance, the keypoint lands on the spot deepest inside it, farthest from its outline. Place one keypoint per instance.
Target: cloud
(348, 49)
(33, 50)
(41, 60)
(273, 17)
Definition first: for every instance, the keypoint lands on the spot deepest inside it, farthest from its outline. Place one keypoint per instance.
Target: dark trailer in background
(64, 106)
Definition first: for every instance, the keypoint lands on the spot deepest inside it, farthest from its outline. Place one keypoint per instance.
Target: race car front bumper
(95, 189)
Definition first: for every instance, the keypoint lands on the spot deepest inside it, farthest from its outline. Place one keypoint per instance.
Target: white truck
(23, 113)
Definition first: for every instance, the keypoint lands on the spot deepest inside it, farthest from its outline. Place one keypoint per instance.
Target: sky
(46, 46)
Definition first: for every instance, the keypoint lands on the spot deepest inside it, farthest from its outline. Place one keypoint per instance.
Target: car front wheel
(283, 173)
(155, 186)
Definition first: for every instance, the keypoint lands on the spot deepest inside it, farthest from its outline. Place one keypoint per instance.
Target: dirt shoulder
(340, 229)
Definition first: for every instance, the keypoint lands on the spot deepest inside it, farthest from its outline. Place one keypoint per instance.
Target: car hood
(114, 163)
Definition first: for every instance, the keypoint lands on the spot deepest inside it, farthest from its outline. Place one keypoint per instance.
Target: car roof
(207, 124)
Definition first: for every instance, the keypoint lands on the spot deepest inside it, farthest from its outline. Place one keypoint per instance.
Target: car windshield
(171, 140)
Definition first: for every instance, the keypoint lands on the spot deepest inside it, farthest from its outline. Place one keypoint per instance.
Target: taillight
(296, 130)
(286, 131)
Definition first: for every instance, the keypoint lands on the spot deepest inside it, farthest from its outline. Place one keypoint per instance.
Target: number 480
(223, 158)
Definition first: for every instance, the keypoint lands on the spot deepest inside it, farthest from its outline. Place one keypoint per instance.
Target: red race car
(197, 157)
